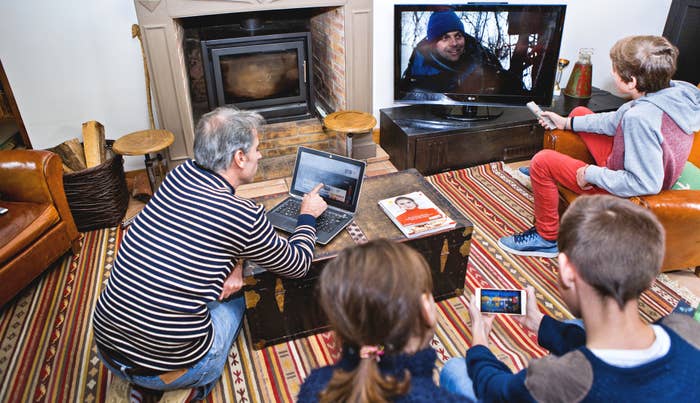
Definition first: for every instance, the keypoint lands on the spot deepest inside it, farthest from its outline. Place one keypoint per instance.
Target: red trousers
(550, 168)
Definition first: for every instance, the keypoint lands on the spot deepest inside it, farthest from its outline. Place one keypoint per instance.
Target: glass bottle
(579, 85)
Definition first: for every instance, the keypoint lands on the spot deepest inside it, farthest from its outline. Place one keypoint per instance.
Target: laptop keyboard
(326, 222)
(289, 208)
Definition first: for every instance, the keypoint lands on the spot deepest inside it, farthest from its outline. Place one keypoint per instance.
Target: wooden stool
(145, 142)
(352, 123)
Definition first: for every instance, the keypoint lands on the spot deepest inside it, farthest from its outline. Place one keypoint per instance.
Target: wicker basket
(97, 196)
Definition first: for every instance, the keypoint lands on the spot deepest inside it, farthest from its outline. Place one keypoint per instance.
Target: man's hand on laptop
(312, 203)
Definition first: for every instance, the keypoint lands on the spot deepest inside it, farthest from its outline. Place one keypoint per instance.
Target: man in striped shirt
(168, 314)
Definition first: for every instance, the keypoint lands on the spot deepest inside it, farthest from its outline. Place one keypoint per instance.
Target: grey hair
(222, 132)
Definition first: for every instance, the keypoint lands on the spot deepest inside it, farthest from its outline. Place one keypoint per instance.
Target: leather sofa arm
(25, 176)
(35, 176)
(686, 202)
(679, 213)
(569, 143)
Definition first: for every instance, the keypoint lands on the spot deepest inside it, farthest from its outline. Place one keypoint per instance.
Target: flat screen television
(476, 54)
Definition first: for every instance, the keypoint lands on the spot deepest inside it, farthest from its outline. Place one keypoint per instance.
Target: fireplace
(275, 63)
(255, 64)
(339, 67)
(267, 74)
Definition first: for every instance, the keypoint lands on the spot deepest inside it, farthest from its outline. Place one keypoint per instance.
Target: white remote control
(535, 109)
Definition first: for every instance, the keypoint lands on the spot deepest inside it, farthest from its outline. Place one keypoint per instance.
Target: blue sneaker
(524, 170)
(529, 243)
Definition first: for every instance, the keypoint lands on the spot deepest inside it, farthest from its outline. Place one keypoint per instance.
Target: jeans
(454, 378)
(226, 318)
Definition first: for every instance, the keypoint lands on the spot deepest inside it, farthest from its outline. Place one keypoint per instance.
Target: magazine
(415, 214)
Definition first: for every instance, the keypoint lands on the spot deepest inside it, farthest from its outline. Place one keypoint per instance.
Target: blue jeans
(226, 318)
(454, 378)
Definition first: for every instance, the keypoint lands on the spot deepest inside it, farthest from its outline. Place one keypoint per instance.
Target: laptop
(342, 180)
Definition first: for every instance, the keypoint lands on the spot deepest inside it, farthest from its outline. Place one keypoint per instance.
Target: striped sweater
(174, 260)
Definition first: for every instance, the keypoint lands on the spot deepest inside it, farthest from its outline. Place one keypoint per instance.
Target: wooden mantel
(162, 37)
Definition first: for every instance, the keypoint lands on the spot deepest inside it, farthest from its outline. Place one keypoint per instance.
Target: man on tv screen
(448, 60)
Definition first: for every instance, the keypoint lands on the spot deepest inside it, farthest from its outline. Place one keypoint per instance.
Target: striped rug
(47, 351)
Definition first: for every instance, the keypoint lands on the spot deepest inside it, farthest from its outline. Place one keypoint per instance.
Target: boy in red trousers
(640, 149)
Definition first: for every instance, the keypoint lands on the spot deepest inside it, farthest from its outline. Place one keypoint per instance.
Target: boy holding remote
(640, 149)
(611, 250)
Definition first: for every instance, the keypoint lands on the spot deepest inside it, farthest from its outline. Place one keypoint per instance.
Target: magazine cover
(415, 214)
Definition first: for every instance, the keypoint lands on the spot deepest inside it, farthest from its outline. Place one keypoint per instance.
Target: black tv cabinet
(417, 136)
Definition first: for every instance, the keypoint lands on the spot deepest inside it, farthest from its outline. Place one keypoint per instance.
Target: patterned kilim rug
(47, 351)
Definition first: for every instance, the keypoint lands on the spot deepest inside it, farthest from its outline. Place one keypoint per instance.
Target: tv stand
(418, 137)
(467, 113)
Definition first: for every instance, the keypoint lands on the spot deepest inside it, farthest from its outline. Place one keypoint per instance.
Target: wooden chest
(280, 309)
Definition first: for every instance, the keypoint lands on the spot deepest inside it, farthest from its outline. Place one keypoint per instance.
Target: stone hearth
(279, 142)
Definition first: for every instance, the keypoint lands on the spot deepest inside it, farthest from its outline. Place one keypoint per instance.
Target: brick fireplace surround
(341, 38)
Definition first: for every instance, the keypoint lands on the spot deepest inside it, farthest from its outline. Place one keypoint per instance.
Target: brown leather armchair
(38, 227)
(678, 210)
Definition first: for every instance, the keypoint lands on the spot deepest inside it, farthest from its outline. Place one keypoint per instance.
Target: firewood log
(94, 143)
(72, 154)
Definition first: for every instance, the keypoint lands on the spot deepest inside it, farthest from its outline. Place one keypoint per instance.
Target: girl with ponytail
(377, 297)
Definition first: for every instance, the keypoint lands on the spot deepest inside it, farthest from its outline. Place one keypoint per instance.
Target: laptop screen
(341, 177)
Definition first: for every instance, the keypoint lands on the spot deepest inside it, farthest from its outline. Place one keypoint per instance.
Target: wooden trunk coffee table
(281, 309)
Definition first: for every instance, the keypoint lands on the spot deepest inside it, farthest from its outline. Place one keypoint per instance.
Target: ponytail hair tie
(374, 352)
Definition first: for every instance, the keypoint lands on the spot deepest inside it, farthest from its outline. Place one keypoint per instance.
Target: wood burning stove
(270, 74)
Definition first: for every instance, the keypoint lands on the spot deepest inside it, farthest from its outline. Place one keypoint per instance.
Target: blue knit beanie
(441, 22)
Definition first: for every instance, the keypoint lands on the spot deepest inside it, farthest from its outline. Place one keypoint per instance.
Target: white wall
(588, 24)
(71, 61)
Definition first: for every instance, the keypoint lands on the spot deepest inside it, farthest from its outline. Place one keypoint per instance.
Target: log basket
(98, 196)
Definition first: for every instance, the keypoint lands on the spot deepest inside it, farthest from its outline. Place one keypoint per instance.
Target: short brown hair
(650, 59)
(372, 295)
(616, 246)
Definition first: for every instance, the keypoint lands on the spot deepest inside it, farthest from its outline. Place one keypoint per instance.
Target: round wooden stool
(145, 142)
(351, 123)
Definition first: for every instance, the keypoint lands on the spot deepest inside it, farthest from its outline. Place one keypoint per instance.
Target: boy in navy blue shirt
(611, 250)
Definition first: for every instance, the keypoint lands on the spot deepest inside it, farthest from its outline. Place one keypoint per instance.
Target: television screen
(476, 54)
